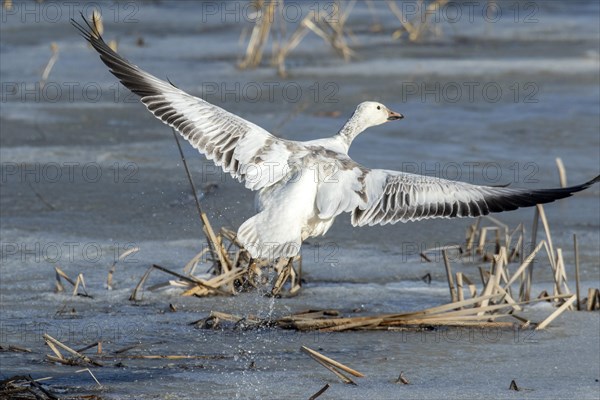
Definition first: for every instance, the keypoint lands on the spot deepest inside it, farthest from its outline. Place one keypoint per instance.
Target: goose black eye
(379, 107)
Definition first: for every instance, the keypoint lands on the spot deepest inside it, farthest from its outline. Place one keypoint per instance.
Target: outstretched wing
(394, 196)
(245, 150)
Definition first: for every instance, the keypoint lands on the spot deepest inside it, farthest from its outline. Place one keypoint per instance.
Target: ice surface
(141, 199)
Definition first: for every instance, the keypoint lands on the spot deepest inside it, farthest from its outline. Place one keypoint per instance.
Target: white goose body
(303, 186)
(291, 208)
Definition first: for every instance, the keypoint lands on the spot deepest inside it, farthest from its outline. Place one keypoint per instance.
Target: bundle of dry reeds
(327, 23)
(510, 244)
(233, 271)
(24, 387)
(419, 25)
(492, 305)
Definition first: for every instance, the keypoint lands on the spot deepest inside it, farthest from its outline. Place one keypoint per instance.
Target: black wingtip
(586, 185)
(90, 33)
(576, 188)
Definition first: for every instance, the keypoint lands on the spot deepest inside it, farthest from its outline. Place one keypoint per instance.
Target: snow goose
(303, 186)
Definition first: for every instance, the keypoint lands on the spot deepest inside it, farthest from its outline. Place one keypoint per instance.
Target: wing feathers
(407, 197)
(228, 140)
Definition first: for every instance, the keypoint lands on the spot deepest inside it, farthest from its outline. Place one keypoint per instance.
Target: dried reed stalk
(576, 251)
(562, 173)
(98, 346)
(61, 274)
(418, 26)
(332, 362)
(90, 372)
(471, 233)
(333, 366)
(331, 28)
(593, 299)
(140, 285)
(192, 280)
(459, 286)
(49, 65)
(453, 296)
(259, 35)
(78, 282)
(534, 231)
(113, 267)
(320, 392)
(55, 344)
(551, 257)
(556, 313)
(214, 245)
(15, 348)
(190, 267)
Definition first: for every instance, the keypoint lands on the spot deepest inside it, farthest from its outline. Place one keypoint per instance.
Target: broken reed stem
(562, 173)
(523, 275)
(50, 65)
(471, 236)
(337, 373)
(552, 256)
(138, 287)
(320, 392)
(113, 268)
(522, 244)
(89, 346)
(259, 35)
(556, 313)
(90, 372)
(18, 349)
(332, 362)
(449, 275)
(459, 286)
(576, 250)
(201, 214)
(193, 281)
(52, 343)
(591, 299)
(527, 263)
(561, 274)
(534, 230)
(61, 274)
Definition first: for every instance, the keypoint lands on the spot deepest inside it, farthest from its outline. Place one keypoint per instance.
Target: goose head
(366, 115)
(372, 113)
